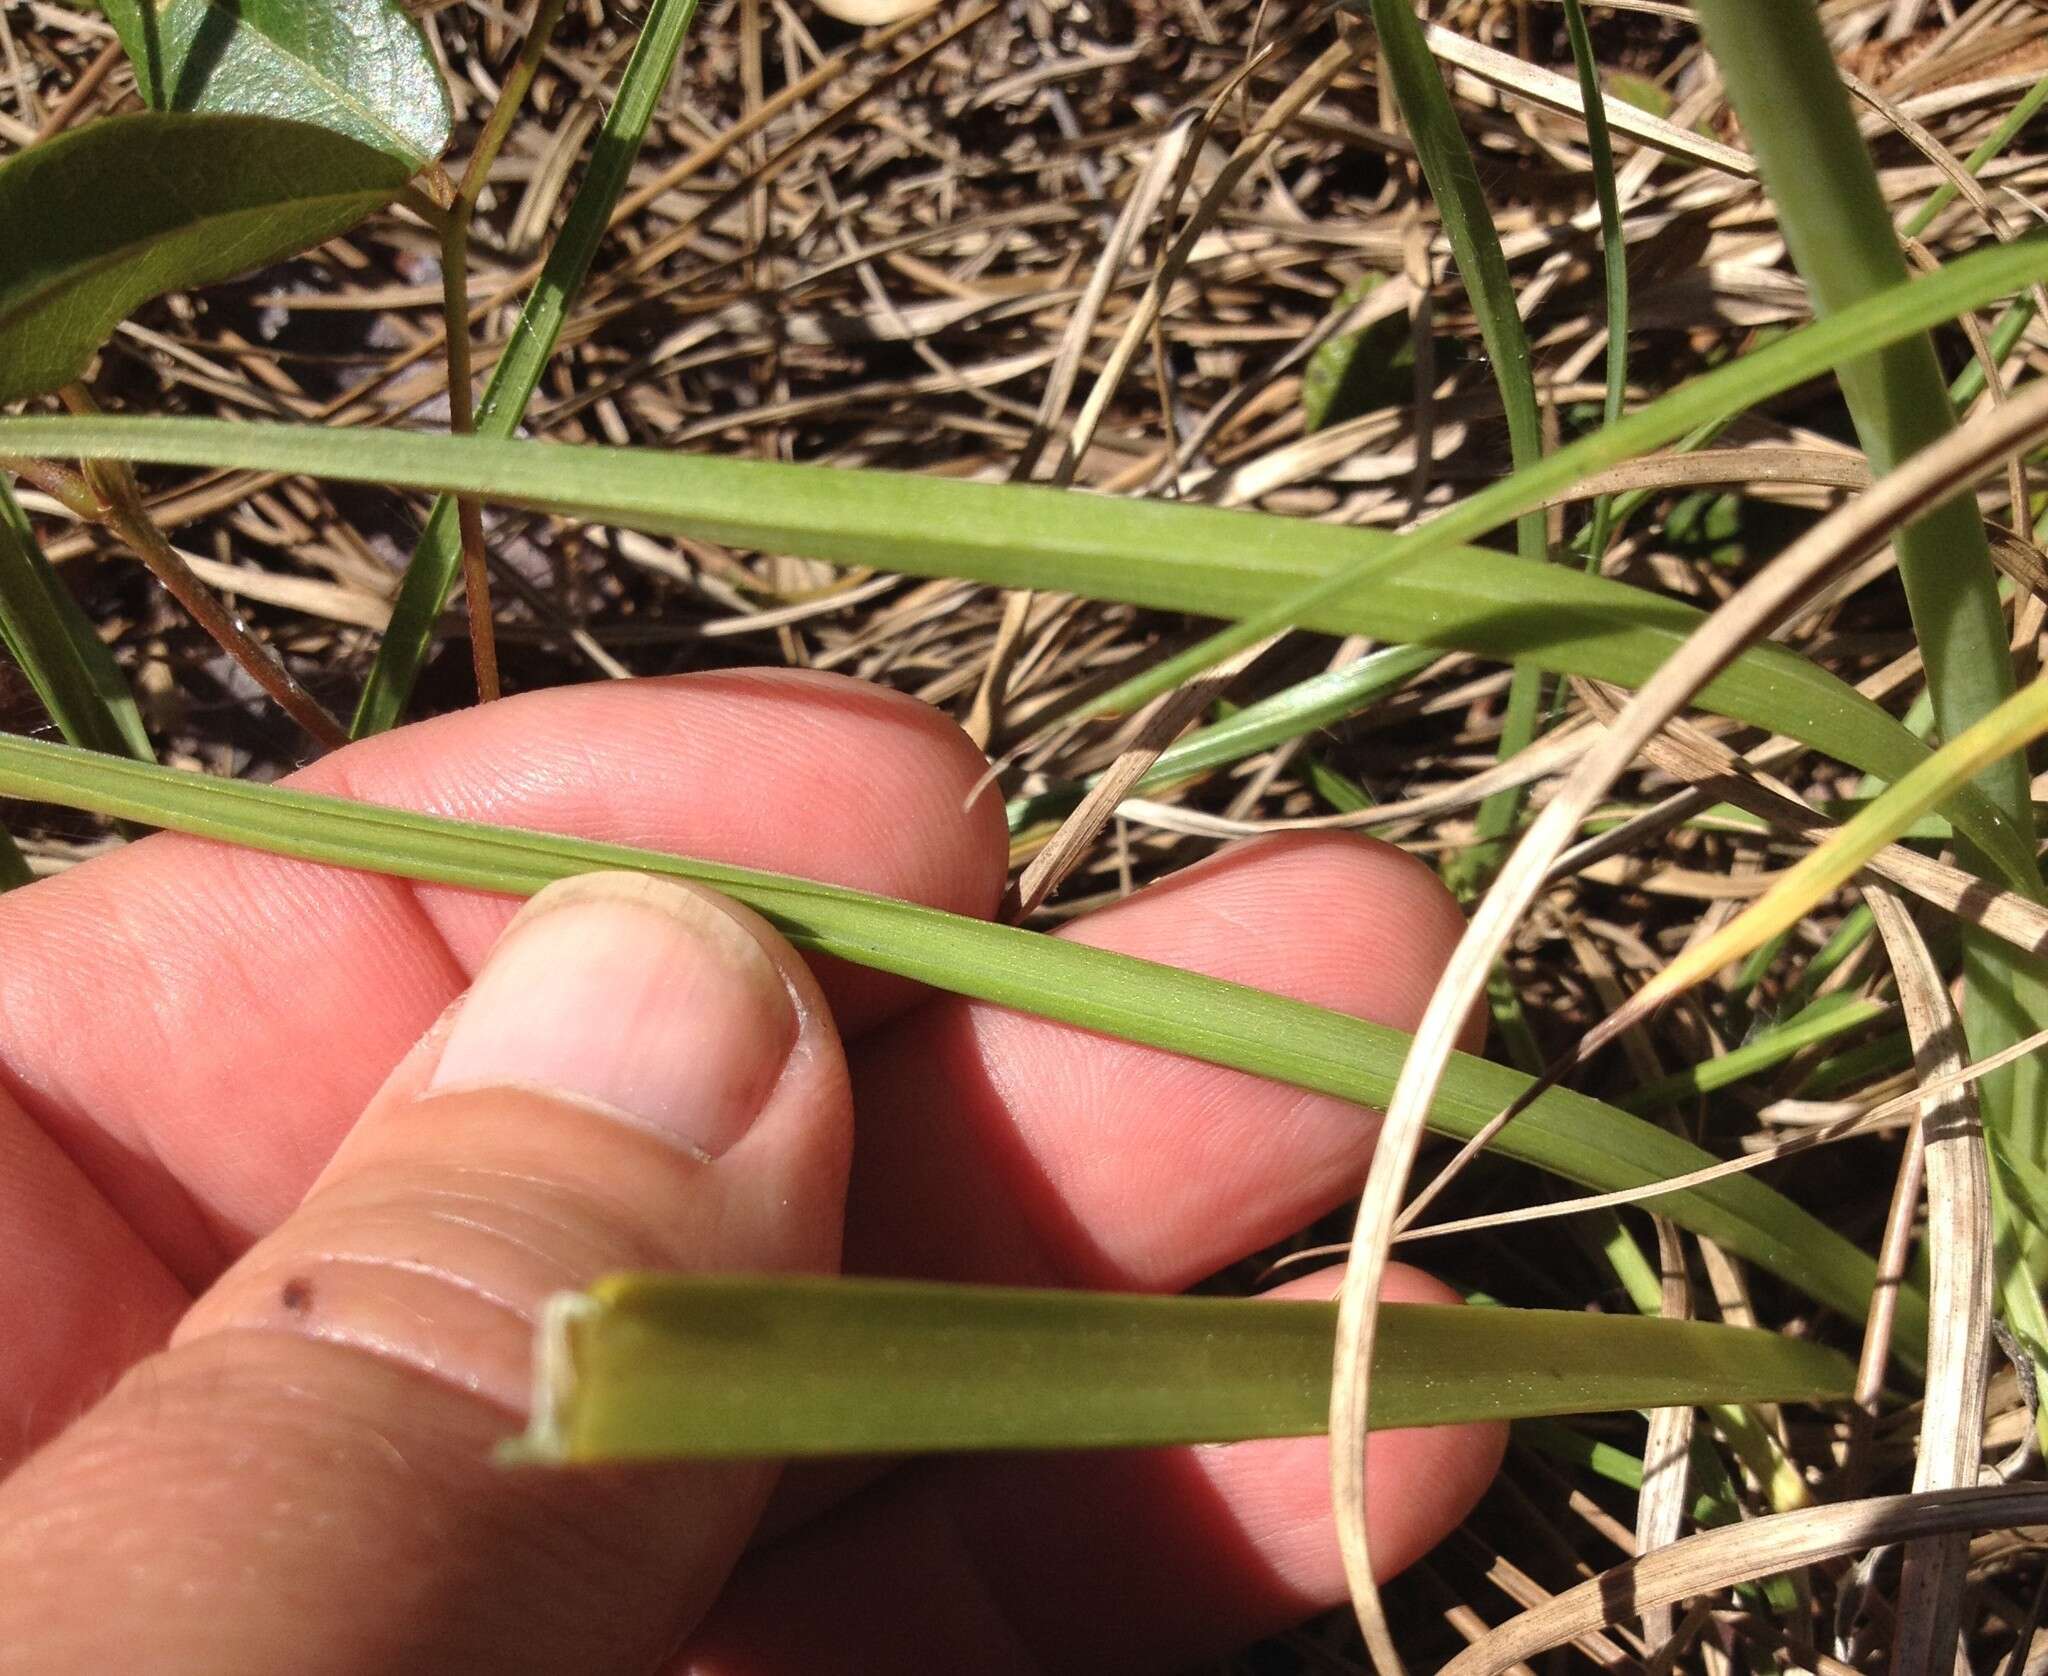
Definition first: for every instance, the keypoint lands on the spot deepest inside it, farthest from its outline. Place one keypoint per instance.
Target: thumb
(642, 1076)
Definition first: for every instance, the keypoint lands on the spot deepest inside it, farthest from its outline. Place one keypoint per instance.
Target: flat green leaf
(107, 216)
(1226, 1024)
(437, 555)
(729, 1367)
(1166, 555)
(1301, 709)
(359, 67)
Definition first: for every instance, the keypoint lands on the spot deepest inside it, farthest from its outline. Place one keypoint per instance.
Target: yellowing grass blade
(2013, 725)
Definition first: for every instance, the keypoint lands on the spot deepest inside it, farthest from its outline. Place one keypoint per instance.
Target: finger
(642, 1075)
(1126, 1562)
(80, 1296)
(196, 1025)
(1000, 1147)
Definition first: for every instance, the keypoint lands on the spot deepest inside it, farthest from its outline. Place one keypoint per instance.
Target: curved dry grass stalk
(1742, 1553)
(1158, 176)
(1922, 482)
(1959, 1292)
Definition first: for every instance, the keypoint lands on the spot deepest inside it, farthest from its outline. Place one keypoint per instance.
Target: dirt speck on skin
(296, 1295)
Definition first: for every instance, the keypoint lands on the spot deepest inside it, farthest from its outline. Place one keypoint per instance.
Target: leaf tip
(545, 1442)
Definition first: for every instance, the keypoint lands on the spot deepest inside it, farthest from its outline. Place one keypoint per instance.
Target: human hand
(268, 1300)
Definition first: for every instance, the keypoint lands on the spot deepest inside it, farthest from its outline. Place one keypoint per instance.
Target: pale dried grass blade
(1666, 1495)
(1691, 754)
(1959, 1293)
(1561, 93)
(1742, 1553)
(1165, 723)
(1924, 481)
(1161, 170)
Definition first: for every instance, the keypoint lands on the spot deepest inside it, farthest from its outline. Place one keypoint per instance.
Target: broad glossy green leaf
(359, 67)
(437, 555)
(730, 1367)
(46, 633)
(107, 216)
(1167, 555)
(1310, 1047)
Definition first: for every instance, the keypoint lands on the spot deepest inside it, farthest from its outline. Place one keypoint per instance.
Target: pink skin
(188, 1032)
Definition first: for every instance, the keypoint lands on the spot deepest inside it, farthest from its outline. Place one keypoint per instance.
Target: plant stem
(430, 572)
(455, 226)
(121, 508)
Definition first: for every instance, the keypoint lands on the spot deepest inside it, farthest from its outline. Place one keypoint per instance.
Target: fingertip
(1336, 918)
(1423, 1481)
(790, 771)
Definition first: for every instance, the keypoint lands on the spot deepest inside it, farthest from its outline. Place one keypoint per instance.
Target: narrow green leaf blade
(359, 67)
(46, 633)
(1475, 245)
(107, 216)
(1166, 555)
(1227, 1024)
(437, 556)
(732, 1367)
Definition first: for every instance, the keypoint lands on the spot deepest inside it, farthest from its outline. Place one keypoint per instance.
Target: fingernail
(636, 996)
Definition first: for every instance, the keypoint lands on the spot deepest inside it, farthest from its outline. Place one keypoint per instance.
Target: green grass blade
(1117, 995)
(1468, 224)
(1475, 246)
(1168, 556)
(1302, 708)
(1881, 320)
(46, 633)
(1994, 143)
(1613, 251)
(1780, 74)
(437, 556)
(1826, 1018)
(657, 1366)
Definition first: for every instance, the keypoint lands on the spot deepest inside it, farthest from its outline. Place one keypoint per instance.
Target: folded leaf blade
(733, 1367)
(1310, 1047)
